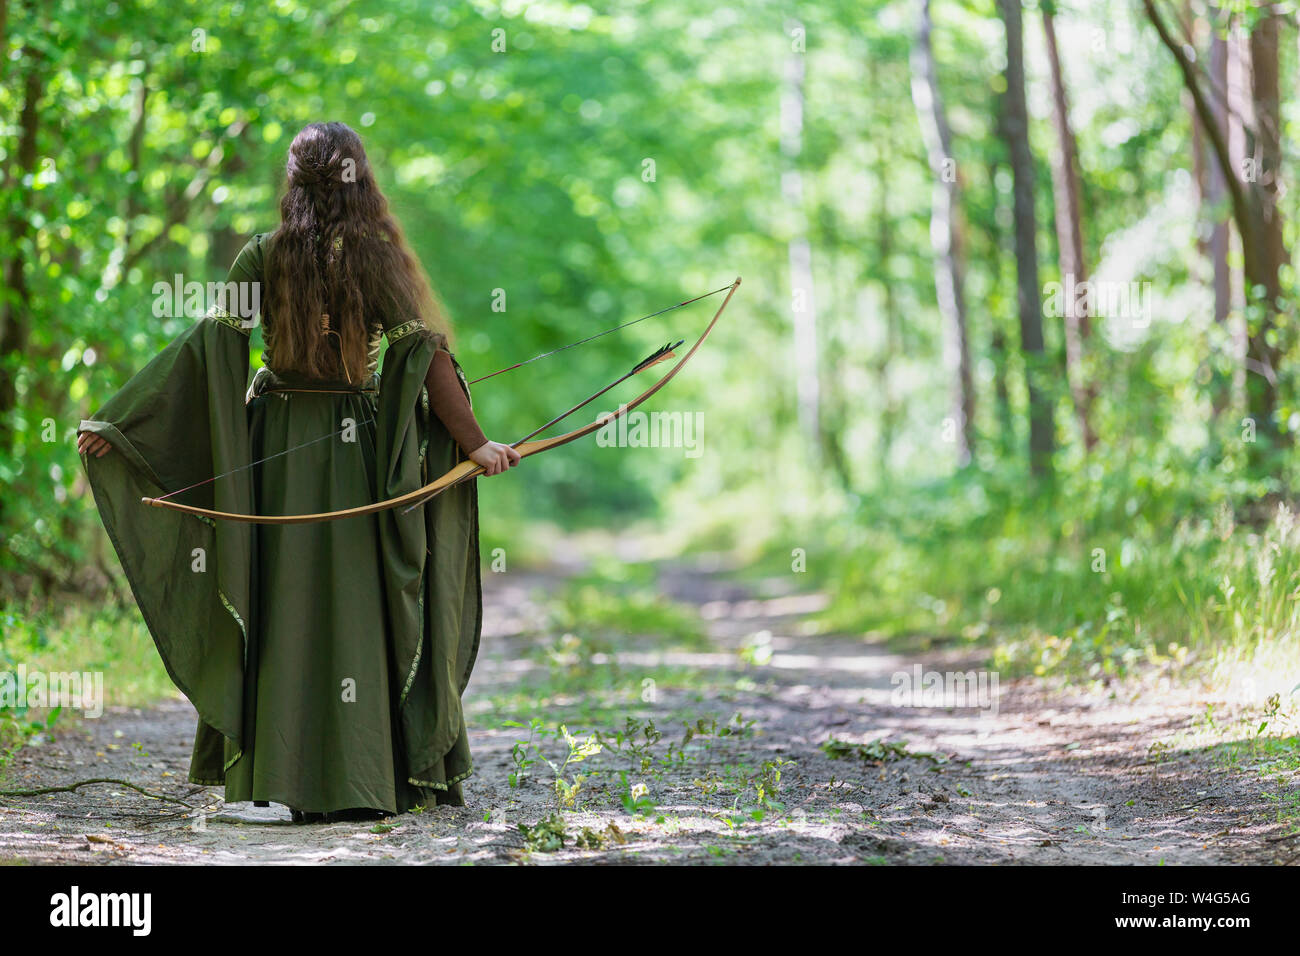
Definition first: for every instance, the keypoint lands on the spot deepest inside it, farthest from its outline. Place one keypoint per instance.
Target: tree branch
(82, 783)
(180, 208)
(1212, 130)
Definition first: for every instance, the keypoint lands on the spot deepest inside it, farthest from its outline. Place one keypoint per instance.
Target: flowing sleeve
(431, 563)
(177, 423)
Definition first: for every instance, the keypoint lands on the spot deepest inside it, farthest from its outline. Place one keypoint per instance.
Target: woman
(326, 660)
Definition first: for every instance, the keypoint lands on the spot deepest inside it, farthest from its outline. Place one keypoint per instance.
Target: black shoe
(355, 815)
(261, 803)
(307, 816)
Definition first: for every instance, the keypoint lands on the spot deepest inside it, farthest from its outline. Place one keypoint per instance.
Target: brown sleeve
(449, 403)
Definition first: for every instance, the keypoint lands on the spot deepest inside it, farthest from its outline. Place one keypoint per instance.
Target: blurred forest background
(1014, 361)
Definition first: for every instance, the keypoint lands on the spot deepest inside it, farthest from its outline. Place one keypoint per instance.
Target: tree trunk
(892, 412)
(838, 411)
(4, 35)
(1216, 191)
(1214, 210)
(1191, 30)
(1253, 188)
(1014, 122)
(1264, 261)
(14, 315)
(1069, 238)
(998, 349)
(945, 234)
(1240, 119)
(803, 304)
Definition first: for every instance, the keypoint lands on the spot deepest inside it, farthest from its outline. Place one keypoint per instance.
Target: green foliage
(110, 642)
(595, 608)
(875, 751)
(519, 169)
(635, 797)
(527, 752)
(18, 725)
(545, 836)
(1089, 580)
(157, 142)
(589, 839)
(106, 639)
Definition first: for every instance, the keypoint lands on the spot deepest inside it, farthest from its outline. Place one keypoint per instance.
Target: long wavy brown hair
(338, 264)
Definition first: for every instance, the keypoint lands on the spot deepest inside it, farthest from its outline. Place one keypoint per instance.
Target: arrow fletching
(658, 355)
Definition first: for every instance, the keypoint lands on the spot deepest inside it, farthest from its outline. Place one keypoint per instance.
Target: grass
(111, 641)
(625, 769)
(79, 637)
(577, 651)
(1089, 592)
(1245, 745)
(1260, 743)
(1105, 588)
(580, 677)
(618, 599)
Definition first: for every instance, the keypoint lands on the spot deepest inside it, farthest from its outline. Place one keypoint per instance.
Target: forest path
(1048, 778)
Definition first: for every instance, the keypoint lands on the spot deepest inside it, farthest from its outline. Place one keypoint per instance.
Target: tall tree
(998, 348)
(1213, 235)
(945, 232)
(1014, 125)
(1214, 196)
(1240, 119)
(1263, 349)
(803, 299)
(15, 317)
(891, 412)
(1069, 238)
(1254, 190)
(1216, 189)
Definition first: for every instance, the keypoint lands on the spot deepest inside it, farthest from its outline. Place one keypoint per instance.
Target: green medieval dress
(326, 660)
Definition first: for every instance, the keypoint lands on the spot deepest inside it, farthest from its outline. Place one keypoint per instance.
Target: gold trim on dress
(218, 314)
(403, 330)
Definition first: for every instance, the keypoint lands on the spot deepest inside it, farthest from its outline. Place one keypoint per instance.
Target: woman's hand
(494, 457)
(90, 444)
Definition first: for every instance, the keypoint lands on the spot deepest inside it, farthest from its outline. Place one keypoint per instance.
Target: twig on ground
(83, 783)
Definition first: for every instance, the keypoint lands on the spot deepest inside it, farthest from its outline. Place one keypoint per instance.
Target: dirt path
(1047, 779)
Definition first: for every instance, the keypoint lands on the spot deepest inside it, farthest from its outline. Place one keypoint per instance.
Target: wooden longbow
(465, 470)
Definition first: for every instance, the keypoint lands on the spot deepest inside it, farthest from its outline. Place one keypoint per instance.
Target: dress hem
(441, 786)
